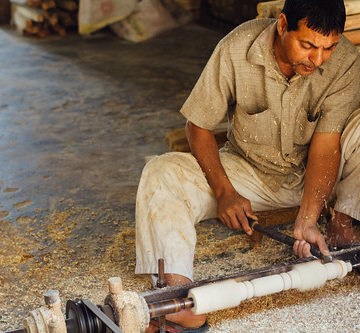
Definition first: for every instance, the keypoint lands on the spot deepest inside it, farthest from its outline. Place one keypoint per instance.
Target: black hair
(323, 16)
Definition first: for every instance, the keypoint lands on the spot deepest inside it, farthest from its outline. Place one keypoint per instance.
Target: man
(288, 87)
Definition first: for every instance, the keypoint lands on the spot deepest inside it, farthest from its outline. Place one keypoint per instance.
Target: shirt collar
(262, 48)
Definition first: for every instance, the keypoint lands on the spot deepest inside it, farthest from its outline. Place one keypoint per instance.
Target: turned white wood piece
(230, 293)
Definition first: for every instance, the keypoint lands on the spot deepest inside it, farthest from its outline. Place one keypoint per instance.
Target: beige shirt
(271, 118)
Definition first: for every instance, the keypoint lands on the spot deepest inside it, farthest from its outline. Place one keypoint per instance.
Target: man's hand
(306, 235)
(233, 210)
(321, 171)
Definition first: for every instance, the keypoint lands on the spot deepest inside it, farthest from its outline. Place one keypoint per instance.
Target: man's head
(308, 32)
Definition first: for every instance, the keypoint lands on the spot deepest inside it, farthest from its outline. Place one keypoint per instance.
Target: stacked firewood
(42, 18)
(352, 24)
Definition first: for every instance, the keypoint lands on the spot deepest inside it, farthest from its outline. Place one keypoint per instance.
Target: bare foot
(341, 231)
(185, 318)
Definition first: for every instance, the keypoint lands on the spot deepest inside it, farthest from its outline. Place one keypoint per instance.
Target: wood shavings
(60, 251)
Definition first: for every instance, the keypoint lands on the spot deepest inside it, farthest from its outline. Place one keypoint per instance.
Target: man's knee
(167, 165)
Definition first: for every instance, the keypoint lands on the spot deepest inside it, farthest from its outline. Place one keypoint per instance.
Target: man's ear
(282, 24)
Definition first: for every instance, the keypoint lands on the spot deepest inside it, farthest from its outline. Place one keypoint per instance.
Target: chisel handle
(285, 239)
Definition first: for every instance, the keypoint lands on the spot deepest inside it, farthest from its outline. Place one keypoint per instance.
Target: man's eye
(306, 46)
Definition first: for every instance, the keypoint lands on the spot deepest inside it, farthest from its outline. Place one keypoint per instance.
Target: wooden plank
(353, 36)
(352, 7)
(273, 8)
(352, 22)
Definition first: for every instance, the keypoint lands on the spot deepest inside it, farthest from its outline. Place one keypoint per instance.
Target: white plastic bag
(148, 19)
(96, 14)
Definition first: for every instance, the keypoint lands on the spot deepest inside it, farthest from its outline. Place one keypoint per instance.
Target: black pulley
(79, 319)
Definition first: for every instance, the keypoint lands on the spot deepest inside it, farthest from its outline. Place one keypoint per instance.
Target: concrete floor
(77, 117)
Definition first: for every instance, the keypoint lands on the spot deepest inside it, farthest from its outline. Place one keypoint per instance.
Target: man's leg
(341, 231)
(173, 195)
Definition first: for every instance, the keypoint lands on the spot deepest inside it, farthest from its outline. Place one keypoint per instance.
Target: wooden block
(353, 36)
(177, 141)
(271, 218)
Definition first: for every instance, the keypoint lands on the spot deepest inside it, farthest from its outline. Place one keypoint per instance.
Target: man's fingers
(322, 246)
(231, 221)
(296, 247)
(224, 219)
(244, 223)
(306, 250)
(301, 248)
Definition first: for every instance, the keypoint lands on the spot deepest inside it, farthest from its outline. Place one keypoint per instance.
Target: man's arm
(232, 207)
(321, 172)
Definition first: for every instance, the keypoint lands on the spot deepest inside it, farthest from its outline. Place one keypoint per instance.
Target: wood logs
(352, 24)
(41, 18)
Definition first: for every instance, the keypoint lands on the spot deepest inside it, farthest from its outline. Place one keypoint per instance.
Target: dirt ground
(77, 118)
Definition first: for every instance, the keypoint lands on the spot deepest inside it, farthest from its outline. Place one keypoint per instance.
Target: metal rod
(170, 306)
(161, 282)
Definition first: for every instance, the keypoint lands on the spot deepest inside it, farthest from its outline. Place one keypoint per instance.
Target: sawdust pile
(77, 250)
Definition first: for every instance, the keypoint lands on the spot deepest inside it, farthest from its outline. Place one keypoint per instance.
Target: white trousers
(174, 195)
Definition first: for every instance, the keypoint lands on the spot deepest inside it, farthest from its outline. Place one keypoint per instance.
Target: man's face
(303, 50)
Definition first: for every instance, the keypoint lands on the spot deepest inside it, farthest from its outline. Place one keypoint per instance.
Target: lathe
(131, 312)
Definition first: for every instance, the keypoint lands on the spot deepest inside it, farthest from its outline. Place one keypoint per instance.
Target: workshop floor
(77, 117)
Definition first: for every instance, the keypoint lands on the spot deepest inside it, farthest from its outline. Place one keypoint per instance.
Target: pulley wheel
(79, 319)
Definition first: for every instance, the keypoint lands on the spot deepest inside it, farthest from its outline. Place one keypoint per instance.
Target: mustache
(310, 65)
